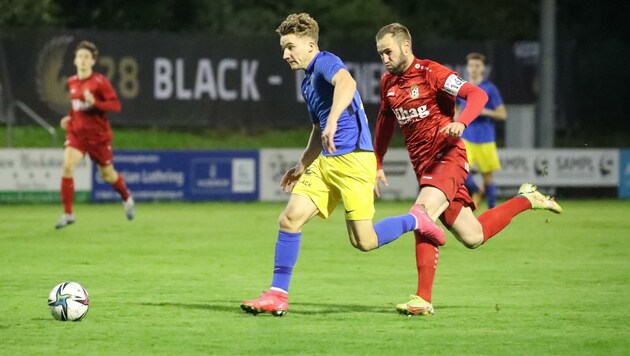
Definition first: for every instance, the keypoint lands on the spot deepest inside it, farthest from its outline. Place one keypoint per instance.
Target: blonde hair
(400, 32)
(301, 24)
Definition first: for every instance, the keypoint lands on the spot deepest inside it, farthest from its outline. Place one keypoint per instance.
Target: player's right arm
(345, 88)
(311, 152)
(385, 123)
(64, 122)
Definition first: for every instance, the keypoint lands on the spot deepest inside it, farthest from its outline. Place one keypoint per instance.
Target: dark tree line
(497, 19)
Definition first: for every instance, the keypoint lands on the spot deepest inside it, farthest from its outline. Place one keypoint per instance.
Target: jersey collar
(310, 66)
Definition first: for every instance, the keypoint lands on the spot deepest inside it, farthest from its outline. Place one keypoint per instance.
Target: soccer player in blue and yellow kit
(338, 164)
(479, 136)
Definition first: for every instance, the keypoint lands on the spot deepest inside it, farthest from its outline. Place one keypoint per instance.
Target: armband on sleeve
(453, 84)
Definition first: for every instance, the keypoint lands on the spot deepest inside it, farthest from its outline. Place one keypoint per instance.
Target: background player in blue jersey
(338, 164)
(480, 137)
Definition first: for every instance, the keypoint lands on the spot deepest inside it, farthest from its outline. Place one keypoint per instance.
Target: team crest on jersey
(414, 93)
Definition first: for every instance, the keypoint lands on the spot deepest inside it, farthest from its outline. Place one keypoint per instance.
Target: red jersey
(91, 121)
(422, 101)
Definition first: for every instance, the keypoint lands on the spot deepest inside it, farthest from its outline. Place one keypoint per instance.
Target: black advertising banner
(195, 80)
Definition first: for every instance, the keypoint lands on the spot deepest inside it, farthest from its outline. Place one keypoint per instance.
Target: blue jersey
(353, 131)
(481, 130)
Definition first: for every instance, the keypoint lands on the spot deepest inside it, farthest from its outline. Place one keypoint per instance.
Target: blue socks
(288, 246)
(287, 250)
(470, 184)
(491, 195)
(389, 229)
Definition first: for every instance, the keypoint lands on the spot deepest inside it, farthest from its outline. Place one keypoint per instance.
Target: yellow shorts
(349, 178)
(484, 155)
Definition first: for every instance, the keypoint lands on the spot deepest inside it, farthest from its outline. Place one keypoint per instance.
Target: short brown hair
(89, 46)
(301, 24)
(396, 30)
(476, 56)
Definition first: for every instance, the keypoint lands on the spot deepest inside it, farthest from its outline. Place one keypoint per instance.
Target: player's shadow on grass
(296, 308)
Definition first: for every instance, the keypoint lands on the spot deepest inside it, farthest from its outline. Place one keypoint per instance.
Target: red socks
(494, 220)
(427, 255)
(67, 191)
(67, 194)
(121, 188)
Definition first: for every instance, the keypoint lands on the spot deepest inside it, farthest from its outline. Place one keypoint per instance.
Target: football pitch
(171, 282)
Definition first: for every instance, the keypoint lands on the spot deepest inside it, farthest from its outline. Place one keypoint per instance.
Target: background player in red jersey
(420, 94)
(88, 130)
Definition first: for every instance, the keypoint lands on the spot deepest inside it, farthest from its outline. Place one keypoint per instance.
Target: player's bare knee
(68, 169)
(287, 223)
(468, 239)
(365, 245)
(471, 241)
(472, 244)
(364, 242)
(109, 177)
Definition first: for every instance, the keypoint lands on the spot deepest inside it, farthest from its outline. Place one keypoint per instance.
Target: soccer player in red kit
(88, 130)
(419, 95)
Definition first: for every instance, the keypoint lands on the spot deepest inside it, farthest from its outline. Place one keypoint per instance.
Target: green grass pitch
(171, 281)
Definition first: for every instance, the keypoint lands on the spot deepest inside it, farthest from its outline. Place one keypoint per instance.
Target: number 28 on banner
(123, 74)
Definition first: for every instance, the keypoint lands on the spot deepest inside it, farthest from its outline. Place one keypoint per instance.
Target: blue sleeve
(494, 97)
(328, 66)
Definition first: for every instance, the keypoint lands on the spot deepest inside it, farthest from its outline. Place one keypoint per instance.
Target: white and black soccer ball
(68, 301)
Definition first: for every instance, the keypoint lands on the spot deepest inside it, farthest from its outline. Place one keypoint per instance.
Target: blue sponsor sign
(183, 175)
(624, 173)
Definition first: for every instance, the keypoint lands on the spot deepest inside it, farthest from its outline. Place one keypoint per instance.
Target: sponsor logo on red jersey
(405, 116)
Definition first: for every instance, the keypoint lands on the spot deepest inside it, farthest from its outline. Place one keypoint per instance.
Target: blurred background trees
(596, 32)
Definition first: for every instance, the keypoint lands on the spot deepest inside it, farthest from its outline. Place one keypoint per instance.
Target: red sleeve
(107, 100)
(385, 123)
(476, 100)
(437, 75)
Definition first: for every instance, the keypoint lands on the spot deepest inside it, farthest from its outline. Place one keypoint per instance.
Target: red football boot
(273, 301)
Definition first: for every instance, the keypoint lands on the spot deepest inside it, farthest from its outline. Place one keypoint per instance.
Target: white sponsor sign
(30, 170)
(559, 167)
(273, 164)
(543, 167)
(243, 175)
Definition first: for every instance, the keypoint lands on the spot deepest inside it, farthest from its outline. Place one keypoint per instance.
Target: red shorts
(448, 173)
(99, 149)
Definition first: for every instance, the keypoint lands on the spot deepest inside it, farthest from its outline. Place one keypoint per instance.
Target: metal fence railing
(16, 104)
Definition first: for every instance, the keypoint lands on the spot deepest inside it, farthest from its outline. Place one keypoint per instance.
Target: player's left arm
(345, 87)
(458, 108)
(107, 100)
(476, 100)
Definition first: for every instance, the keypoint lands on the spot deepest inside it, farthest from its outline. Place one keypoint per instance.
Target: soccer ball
(68, 301)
